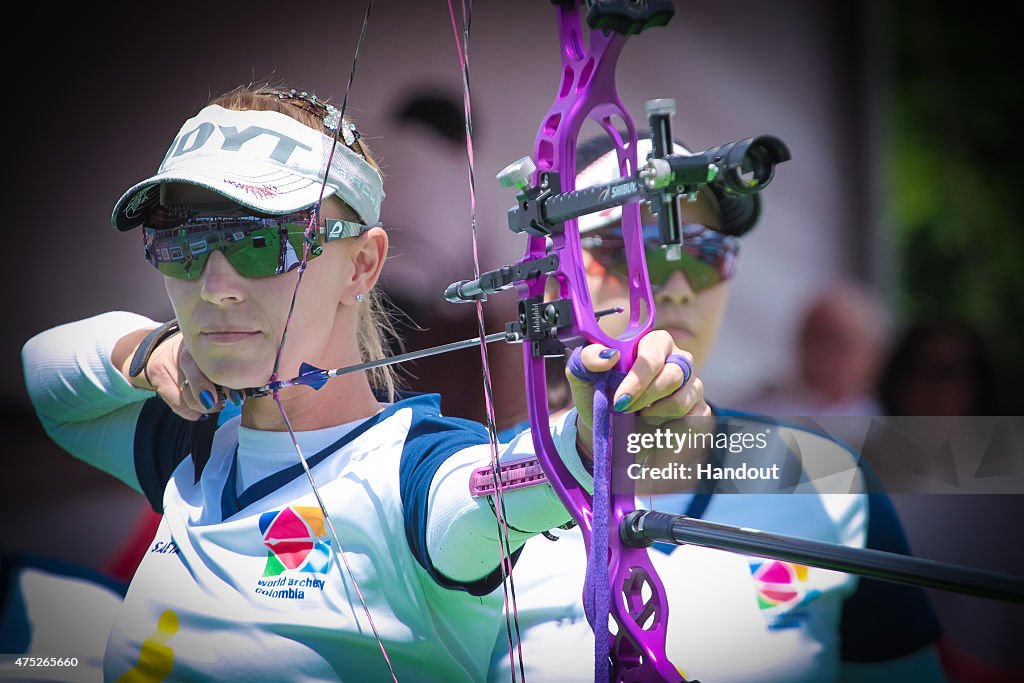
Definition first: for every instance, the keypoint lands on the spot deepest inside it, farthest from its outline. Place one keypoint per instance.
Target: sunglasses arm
(336, 228)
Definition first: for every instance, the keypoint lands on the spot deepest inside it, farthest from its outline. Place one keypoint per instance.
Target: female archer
(319, 535)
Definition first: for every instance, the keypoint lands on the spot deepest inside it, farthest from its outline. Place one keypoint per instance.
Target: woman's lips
(678, 332)
(227, 336)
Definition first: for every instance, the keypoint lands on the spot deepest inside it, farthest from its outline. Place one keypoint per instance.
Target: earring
(360, 297)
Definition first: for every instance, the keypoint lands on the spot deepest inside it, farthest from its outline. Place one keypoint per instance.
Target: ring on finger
(684, 364)
(183, 385)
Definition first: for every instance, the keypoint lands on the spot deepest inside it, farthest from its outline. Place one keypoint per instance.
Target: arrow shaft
(416, 355)
(380, 363)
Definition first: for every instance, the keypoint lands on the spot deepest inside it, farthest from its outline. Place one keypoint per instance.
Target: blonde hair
(375, 325)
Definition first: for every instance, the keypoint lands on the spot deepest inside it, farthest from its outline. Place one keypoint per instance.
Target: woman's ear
(368, 255)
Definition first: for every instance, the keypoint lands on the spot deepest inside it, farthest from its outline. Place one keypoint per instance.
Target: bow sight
(734, 169)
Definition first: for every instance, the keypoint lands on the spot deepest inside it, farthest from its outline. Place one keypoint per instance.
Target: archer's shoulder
(422, 415)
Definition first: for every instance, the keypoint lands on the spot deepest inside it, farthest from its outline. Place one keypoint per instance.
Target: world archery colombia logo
(298, 544)
(782, 592)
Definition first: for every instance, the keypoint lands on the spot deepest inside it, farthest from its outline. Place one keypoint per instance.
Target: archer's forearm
(80, 393)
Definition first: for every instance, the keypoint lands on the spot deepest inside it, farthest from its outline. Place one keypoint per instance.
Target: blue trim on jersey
(15, 629)
(512, 432)
(162, 440)
(432, 439)
(864, 637)
(232, 502)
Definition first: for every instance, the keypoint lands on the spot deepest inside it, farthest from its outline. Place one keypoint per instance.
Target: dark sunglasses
(708, 257)
(179, 239)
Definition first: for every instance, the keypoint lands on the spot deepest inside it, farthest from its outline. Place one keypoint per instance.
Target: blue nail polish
(623, 403)
(607, 353)
(236, 397)
(206, 398)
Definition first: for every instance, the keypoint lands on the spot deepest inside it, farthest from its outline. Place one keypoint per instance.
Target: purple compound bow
(587, 90)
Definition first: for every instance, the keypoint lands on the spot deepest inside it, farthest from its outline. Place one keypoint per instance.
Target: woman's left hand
(653, 388)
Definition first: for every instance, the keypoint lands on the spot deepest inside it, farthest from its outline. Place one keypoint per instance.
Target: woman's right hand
(174, 375)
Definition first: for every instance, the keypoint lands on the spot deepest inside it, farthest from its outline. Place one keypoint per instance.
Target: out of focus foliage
(957, 104)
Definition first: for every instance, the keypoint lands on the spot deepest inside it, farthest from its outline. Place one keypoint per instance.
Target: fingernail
(623, 402)
(607, 353)
(236, 397)
(204, 416)
(206, 398)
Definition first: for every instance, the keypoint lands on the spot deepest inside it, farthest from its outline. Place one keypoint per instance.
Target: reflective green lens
(257, 254)
(252, 252)
(700, 274)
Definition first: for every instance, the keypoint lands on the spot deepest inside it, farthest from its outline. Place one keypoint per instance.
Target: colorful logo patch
(782, 592)
(296, 539)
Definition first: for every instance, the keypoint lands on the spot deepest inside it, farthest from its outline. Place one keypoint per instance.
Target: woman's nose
(676, 290)
(221, 282)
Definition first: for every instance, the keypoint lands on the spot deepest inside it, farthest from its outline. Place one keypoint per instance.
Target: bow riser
(587, 90)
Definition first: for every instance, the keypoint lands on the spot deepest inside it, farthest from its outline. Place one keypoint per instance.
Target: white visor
(263, 160)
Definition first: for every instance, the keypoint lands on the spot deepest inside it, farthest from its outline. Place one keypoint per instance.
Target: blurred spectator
(840, 350)
(428, 233)
(942, 368)
(430, 245)
(50, 608)
(939, 368)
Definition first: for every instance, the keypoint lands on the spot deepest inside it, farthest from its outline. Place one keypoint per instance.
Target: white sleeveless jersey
(247, 587)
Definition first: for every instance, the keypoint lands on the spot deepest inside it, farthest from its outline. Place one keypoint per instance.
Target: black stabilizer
(628, 17)
(738, 213)
(499, 280)
(633, 527)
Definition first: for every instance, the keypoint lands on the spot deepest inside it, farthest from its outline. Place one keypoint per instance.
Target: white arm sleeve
(84, 403)
(462, 534)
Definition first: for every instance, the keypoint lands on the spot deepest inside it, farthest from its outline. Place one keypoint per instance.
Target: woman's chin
(237, 377)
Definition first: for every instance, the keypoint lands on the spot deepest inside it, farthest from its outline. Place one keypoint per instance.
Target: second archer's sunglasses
(708, 257)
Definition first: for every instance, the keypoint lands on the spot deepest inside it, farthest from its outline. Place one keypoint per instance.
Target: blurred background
(901, 118)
